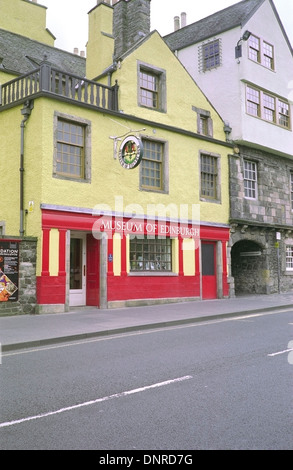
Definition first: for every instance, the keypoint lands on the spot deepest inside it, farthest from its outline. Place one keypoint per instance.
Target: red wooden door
(209, 270)
(93, 271)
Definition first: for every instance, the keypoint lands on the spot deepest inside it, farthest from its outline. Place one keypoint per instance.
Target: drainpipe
(26, 111)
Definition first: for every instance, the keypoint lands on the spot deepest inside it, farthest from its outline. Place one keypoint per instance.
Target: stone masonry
(261, 228)
(26, 303)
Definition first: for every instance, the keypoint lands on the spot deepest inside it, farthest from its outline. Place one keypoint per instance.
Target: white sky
(68, 19)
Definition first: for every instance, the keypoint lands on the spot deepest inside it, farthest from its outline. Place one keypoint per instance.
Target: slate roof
(224, 20)
(21, 55)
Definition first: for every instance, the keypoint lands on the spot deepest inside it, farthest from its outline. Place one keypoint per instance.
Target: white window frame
(251, 180)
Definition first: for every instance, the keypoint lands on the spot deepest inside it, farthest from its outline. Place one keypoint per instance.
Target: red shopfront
(110, 262)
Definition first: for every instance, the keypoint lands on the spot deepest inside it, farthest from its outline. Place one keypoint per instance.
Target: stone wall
(273, 203)
(26, 303)
(266, 221)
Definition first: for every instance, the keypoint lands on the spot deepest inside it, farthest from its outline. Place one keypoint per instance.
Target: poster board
(9, 270)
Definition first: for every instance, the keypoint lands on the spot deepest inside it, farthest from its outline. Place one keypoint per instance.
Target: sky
(68, 19)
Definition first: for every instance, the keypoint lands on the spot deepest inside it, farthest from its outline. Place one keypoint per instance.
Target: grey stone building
(241, 58)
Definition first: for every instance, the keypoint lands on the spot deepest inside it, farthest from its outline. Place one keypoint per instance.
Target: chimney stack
(183, 19)
(176, 23)
(132, 21)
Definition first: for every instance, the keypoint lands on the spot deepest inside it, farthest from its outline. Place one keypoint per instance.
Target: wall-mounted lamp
(238, 48)
(227, 130)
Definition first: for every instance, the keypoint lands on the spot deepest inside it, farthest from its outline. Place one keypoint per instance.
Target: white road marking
(93, 402)
(280, 352)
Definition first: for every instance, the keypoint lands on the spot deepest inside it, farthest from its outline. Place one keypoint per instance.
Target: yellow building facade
(124, 176)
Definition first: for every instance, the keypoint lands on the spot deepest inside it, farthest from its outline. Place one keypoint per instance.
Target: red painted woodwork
(92, 271)
(209, 271)
(124, 287)
(51, 290)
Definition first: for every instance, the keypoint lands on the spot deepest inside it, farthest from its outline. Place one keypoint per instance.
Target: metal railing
(48, 80)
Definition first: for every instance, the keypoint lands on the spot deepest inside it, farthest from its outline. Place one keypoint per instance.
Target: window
(152, 87)
(204, 121)
(254, 48)
(151, 254)
(148, 90)
(268, 107)
(253, 101)
(210, 55)
(289, 258)
(152, 167)
(283, 114)
(72, 148)
(261, 52)
(268, 55)
(291, 189)
(209, 187)
(250, 179)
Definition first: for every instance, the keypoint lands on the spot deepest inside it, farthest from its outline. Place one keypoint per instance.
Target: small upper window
(152, 87)
(149, 90)
(261, 52)
(211, 55)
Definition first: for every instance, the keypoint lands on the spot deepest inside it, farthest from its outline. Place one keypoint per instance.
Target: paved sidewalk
(23, 331)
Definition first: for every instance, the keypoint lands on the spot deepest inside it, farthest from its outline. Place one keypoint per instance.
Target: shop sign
(136, 227)
(9, 271)
(131, 152)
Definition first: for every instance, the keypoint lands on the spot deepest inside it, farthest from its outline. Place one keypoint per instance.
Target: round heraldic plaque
(131, 152)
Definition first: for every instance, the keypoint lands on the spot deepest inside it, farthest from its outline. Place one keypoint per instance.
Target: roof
(229, 18)
(21, 55)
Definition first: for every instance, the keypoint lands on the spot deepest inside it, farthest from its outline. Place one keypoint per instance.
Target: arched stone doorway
(248, 262)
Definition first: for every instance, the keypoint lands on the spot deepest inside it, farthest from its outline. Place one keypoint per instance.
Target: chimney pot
(183, 19)
(176, 23)
(75, 50)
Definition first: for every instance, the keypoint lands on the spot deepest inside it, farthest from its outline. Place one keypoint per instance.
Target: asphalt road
(225, 384)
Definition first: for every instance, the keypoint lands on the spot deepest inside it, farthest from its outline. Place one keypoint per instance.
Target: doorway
(84, 282)
(209, 270)
(77, 281)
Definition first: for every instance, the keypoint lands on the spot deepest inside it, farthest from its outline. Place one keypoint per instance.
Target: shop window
(72, 148)
(289, 258)
(209, 177)
(250, 179)
(152, 87)
(153, 168)
(150, 254)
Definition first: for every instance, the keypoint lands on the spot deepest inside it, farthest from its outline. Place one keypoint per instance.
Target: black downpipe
(26, 111)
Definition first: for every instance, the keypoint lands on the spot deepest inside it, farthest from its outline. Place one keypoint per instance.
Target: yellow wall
(100, 46)
(110, 183)
(25, 18)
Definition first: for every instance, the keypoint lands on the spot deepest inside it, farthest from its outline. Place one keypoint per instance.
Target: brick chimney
(132, 22)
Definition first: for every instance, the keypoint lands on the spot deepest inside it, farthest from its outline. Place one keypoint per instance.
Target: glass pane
(75, 263)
